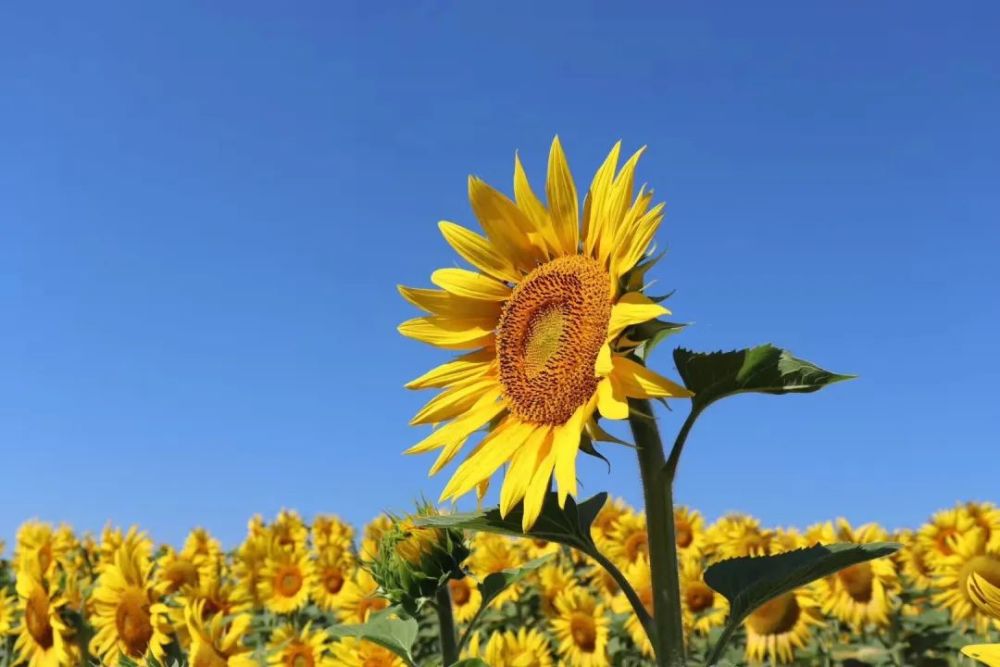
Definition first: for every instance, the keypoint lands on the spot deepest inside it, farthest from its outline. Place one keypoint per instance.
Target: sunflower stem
(668, 631)
(449, 648)
(640, 610)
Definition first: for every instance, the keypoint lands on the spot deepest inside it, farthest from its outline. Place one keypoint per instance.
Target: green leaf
(387, 628)
(587, 447)
(650, 334)
(751, 581)
(569, 525)
(496, 583)
(763, 369)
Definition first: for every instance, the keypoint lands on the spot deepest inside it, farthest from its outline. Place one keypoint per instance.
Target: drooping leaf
(496, 583)
(587, 447)
(751, 581)
(650, 334)
(388, 628)
(763, 369)
(569, 525)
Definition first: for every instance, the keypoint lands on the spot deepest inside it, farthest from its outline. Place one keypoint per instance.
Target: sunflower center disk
(857, 581)
(133, 622)
(36, 618)
(584, 632)
(775, 616)
(987, 567)
(548, 338)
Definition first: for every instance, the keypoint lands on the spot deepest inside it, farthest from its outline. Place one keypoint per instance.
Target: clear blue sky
(205, 209)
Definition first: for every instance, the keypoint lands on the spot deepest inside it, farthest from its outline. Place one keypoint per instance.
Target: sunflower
(606, 519)
(865, 593)
(216, 640)
(112, 539)
(334, 566)
(971, 554)
(938, 536)
(987, 517)
(43, 638)
(496, 553)
(351, 652)
(525, 648)
(44, 546)
(465, 598)
(629, 541)
(360, 598)
(581, 629)
(286, 579)
(702, 607)
(372, 535)
(177, 571)
(544, 316)
(912, 560)
(249, 560)
(782, 625)
(8, 605)
(300, 648)
(536, 547)
(986, 596)
(737, 535)
(553, 578)
(329, 531)
(216, 596)
(638, 576)
(129, 621)
(786, 539)
(199, 545)
(689, 531)
(289, 532)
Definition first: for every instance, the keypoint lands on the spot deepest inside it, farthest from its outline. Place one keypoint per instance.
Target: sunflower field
(278, 598)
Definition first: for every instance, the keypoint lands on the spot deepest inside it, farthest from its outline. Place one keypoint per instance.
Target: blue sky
(205, 209)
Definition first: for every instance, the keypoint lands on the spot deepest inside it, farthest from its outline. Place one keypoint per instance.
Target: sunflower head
(550, 314)
(414, 561)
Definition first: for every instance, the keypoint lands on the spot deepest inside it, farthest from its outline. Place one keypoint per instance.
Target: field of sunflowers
(121, 599)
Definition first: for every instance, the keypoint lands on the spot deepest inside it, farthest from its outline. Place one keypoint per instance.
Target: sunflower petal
(488, 407)
(465, 367)
(610, 402)
(470, 284)
(593, 220)
(478, 251)
(538, 488)
(453, 401)
(506, 226)
(534, 210)
(522, 466)
(988, 654)
(494, 450)
(985, 595)
(633, 308)
(449, 333)
(563, 205)
(440, 302)
(566, 443)
(638, 381)
(603, 365)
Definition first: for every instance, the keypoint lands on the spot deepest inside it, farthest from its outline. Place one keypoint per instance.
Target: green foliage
(496, 583)
(763, 369)
(390, 628)
(751, 581)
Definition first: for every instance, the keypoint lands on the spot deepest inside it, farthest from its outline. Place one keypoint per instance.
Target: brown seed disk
(548, 338)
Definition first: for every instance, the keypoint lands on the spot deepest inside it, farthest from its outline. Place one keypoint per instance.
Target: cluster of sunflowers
(69, 600)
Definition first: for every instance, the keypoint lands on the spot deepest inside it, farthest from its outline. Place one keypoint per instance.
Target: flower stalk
(449, 647)
(657, 484)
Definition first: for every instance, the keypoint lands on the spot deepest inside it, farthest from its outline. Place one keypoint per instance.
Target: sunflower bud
(413, 561)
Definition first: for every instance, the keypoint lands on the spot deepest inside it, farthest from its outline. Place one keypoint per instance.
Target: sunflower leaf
(751, 581)
(763, 369)
(652, 333)
(569, 525)
(496, 583)
(388, 628)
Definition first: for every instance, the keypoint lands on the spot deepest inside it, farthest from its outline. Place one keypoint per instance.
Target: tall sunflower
(129, 621)
(543, 313)
(286, 580)
(44, 639)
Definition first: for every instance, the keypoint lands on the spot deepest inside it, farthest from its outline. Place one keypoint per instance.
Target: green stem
(449, 649)
(637, 606)
(668, 630)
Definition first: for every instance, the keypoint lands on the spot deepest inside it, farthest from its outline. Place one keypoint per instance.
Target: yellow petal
(488, 407)
(566, 443)
(988, 654)
(440, 302)
(465, 367)
(494, 450)
(478, 251)
(563, 205)
(538, 488)
(593, 220)
(453, 401)
(620, 194)
(633, 247)
(449, 333)
(638, 381)
(611, 404)
(534, 210)
(603, 365)
(522, 466)
(506, 226)
(985, 595)
(470, 284)
(633, 308)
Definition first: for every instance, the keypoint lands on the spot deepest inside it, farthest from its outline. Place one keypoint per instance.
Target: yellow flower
(215, 596)
(938, 537)
(689, 529)
(329, 531)
(351, 652)
(302, 648)
(495, 553)
(289, 532)
(987, 517)
(737, 535)
(628, 541)
(865, 593)
(639, 577)
(465, 598)
(286, 580)
(703, 608)
(334, 567)
(553, 579)
(544, 316)
(128, 619)
(525, 648)
(8, 606)
(177, 571)
(373, 533)
(44, 547)
(606, 519)
(360, 598)
(43, 639)
(249, 560)
(986, 596)
(581, 629)
(971, 554)
(912, 560)
(217, 640)
(782, 625)
(112, 539)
